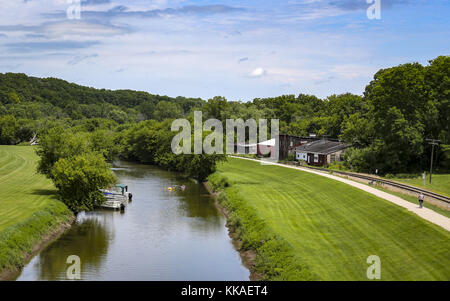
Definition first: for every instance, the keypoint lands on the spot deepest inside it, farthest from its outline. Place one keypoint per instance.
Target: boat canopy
(123, 187)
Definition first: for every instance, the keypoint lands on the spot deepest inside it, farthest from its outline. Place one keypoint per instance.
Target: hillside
(59, 98)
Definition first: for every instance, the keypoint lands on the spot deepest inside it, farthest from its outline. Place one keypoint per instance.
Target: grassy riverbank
(304, 226)
(30, 212)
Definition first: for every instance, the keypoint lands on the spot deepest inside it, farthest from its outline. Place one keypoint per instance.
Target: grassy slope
(333, 227)
(28, 205)
(440, 183)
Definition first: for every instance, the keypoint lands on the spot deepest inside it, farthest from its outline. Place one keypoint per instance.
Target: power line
(433, 142)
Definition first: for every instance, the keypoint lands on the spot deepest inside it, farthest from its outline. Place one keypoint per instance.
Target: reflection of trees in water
(194, 202)
(138, 171)
(197, 203)
(89, 239)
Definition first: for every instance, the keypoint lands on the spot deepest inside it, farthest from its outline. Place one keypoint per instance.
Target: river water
(162, 235)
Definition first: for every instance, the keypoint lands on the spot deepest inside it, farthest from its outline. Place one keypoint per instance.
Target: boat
(117, 197)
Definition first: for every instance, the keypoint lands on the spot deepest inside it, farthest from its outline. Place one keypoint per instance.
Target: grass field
(440, 183)
(29, 208)
(332, 228)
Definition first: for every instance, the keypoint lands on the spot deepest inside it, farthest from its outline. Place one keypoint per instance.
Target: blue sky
(237, 49)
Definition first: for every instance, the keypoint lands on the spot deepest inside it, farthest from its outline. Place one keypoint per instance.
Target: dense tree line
(150, 142)
(388, 125)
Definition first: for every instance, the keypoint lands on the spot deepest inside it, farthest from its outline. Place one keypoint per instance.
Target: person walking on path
(421, 200)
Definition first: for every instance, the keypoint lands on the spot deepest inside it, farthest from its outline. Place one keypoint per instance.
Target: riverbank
(26, 240)
(266, 255)
(31, 216)
(303, 226)
(248, 257)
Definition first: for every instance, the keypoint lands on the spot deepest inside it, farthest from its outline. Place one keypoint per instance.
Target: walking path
(424, 213)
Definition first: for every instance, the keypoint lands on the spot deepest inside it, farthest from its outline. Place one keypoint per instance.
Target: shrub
(79, 179)
(218, 182)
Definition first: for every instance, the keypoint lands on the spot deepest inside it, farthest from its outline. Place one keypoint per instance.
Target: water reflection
(89, 239)
(163, 235)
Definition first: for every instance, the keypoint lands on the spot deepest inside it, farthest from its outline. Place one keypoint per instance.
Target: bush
(337, 165)
(358, 159)
(79, 179)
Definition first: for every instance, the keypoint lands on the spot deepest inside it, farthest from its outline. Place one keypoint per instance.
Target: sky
(237, 49)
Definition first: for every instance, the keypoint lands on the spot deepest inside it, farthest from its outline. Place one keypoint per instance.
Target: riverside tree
(79, 179)
(76, 164)
(59, 143)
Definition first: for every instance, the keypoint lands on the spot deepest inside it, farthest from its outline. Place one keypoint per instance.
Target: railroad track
(428, 193)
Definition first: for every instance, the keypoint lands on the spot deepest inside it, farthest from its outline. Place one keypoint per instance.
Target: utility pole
(433, 142)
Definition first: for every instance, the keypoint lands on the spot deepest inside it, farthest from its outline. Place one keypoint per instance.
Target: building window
(333, 157)
(316, 158)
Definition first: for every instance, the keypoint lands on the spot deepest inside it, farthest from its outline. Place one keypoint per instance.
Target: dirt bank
(248, 257)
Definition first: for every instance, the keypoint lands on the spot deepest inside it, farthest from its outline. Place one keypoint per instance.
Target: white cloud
(80, 28)
(258, 72)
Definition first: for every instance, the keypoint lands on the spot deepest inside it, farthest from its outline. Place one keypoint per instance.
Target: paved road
(424, 213)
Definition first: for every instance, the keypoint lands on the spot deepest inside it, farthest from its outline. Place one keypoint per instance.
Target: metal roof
(323, 147)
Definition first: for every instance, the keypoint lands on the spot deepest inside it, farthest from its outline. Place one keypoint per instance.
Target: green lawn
(333, 227)
(22, 190)
(440, 183)
(29, 208)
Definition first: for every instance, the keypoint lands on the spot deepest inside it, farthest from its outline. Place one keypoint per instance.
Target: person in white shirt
(421, 200)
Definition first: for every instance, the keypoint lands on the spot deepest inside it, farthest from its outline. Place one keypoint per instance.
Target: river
(162, 235)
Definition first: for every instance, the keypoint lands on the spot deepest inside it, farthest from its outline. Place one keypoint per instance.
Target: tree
(200, 166)
(8, 127)
(13, 97)
(437, 76)
(167, 110)
(216, 107)
(399, 109)
(358, 130)
(79, 179)
(118, 116)
(339, 108)
(57, 144)
(102, 141)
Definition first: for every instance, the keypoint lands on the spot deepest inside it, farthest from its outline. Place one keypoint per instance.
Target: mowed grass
(333, 227)
(29, 208)
(22, 191)
(440, 183)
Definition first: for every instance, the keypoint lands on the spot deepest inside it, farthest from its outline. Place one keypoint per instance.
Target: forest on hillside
(388, 125)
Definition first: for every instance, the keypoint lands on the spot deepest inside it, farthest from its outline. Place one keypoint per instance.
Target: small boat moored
(116, 197)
